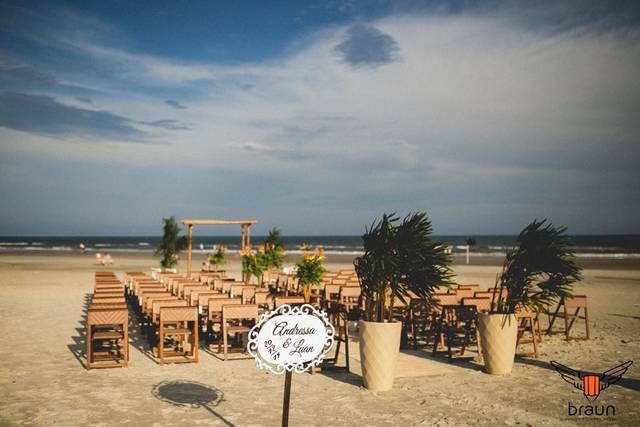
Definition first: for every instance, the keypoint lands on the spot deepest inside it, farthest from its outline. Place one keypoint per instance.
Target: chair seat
(237, 329)
(107, 335)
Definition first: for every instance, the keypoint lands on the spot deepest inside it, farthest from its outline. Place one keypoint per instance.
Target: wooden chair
(107, 337)
(179, 326)
(214, 315)
(338, 316)
(421, 321)
(237, 320)
(577, 302)
(525, 318)
(456, 327)
(350, 297)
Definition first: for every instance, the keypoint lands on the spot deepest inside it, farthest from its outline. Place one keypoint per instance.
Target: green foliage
(273, 239)
(219, 257)
(252, 265)
(273, 254)
(310, 269)
(399, 259)
(538, 271)
(171, 244)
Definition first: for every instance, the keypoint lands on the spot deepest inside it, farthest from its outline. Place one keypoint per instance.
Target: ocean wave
(14, 243)
(103, 245)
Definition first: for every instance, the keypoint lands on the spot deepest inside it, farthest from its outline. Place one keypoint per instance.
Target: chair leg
(533, 338)
(552, 318)
(89, 347)
(586, 322)
(161, 344)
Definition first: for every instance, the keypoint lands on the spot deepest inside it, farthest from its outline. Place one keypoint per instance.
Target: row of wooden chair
(225, 308)
(107, 331)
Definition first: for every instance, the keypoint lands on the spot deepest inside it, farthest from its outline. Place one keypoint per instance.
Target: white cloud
(475, 100)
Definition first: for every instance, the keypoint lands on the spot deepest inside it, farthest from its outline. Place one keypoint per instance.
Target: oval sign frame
(263, 362)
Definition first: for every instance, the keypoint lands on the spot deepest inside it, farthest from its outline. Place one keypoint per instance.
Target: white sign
(291, 338)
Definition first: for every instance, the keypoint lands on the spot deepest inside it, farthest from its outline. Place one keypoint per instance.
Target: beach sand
(43, 380)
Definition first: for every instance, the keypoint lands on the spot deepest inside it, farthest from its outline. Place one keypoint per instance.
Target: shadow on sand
(190, 394)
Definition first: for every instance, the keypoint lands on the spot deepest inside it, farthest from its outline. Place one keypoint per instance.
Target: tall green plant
(400, 258)
(273, 254)
(540, 269)
(170, 244)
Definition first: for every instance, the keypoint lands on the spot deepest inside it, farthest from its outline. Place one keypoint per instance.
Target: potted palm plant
(400, 261)
(170, 245)
(539, 270)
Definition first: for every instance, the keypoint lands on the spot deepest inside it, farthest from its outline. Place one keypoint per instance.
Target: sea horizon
(584, 245)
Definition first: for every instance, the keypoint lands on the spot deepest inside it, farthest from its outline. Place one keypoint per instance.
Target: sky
(318, 117)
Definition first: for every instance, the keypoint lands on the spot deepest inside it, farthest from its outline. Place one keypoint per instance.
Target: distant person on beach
(82, 247)
(107, 260)
(99, 258)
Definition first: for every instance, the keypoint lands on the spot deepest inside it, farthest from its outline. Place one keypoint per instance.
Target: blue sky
(317, 117)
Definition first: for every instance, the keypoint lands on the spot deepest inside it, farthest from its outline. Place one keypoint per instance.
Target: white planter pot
(498, 335)
(379, 348)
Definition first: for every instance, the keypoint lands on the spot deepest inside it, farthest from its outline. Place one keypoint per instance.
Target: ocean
(610, 246)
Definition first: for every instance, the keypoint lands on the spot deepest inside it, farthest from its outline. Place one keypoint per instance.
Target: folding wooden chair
(525, 318)
(107, 337)
(214, 315)
(577, 302)
(456, 327)
(179, 328)
(237, 320)
(421, 319)
(350, 297)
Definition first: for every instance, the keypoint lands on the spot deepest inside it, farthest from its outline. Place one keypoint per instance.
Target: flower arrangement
(310, 271)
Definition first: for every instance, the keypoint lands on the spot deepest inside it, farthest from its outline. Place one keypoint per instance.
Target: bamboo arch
(245, 236)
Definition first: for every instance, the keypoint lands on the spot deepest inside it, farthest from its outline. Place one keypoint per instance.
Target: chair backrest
(178, 314)
(247, 294)
(227, 284)
(117, 300)
(107, 316)
(148, 306)
(351, 283)
(445, 299)
(339, 282)
(463, 293)
(188, 289)
(278, 301)
(236, 289)
(332, 292)
(260, 298)
(239, 311)
(481, 304)
(157, 305)
(576, 301)
(194, 295)
(215, 305)
(349, 293)
(203, 299)
(473, 286)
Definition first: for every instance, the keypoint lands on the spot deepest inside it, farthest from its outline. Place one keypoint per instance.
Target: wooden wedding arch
(245, 236)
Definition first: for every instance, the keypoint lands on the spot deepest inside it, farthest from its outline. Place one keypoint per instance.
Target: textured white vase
(379, 348)
(498, 335)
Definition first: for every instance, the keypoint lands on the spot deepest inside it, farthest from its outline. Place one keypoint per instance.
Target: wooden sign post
(290, 339)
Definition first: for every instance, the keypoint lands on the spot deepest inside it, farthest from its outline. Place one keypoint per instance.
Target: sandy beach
(43, 380)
